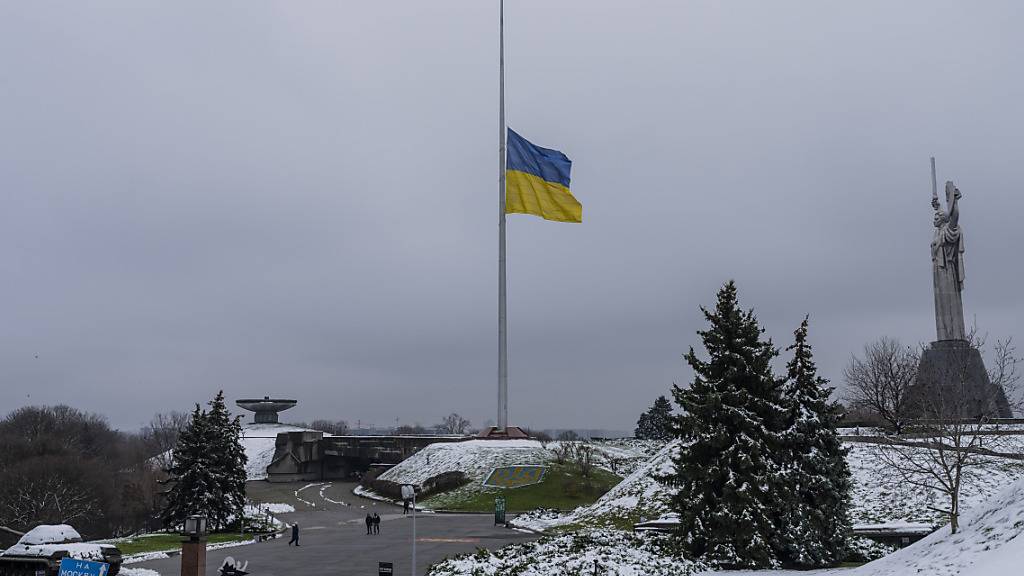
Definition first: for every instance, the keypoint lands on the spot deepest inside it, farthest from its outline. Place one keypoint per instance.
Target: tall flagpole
(502, 320)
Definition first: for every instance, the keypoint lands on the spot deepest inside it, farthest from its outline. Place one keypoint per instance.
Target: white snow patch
(50, 534)
(138, 572)
(144, 557)
(271, 507)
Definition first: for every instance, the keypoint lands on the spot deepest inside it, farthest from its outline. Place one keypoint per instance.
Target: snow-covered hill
(474, 458)
(878, 494)
(638, 496)
(989, 543)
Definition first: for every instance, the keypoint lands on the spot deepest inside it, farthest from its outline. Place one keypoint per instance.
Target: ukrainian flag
(537, 182)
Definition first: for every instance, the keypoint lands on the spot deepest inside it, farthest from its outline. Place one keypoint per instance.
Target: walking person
(369, 524)
(295, 534)
(405, 506)
(376, 523)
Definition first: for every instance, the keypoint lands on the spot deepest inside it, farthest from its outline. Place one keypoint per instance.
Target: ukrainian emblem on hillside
(514, 476)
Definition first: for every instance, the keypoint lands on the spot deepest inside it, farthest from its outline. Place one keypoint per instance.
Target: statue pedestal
(952, 383)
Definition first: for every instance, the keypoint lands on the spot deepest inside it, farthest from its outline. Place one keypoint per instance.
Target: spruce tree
(728, 494)
(229, 472)
(656, 423)
(817, 473)
(194, 488)
(208, 471)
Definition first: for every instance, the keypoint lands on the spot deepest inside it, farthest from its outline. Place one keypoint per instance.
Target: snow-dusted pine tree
(729, 498)
(229, 472)
(816, 471)
(194, 486)
(656, 423)
(208, 474)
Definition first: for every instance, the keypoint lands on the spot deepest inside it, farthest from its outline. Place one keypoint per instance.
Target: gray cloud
(300, 200)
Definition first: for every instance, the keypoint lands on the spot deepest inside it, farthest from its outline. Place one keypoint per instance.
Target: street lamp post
(193, 547)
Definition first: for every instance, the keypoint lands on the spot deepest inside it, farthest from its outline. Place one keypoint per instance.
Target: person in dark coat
(376, 523)
(369, 523)
(405, 506)
(295, 534)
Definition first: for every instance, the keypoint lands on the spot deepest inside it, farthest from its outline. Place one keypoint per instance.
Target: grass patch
(165, 542)
(562, 488)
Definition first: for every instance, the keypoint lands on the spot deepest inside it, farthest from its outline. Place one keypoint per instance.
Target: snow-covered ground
(621, 456)
(879, 496)
(264, 508)
(477, 458)
(989, 543)
(474, 458)
(598, 552)
(638, 497)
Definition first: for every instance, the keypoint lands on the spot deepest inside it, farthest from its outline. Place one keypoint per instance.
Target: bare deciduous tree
(50, 500)
(583, 456)
(334, 427)
(161, 435)
(1003, 372)
(453, 424)
(879, 381)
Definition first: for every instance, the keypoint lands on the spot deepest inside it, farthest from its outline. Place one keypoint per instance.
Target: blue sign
(73, 567)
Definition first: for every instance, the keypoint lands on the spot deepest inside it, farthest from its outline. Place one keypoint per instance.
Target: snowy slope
(989, 543)
(474, 458)
(878, 496)
(621, 456)
(638, 496)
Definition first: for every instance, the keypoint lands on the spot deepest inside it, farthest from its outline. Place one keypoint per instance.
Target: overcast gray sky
(299, 198)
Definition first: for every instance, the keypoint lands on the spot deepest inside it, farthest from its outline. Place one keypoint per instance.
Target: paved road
(334, 542)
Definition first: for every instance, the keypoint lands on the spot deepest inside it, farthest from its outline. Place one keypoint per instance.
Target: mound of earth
(474, 458)
(988, 543)
(879, 495)
(638, 497)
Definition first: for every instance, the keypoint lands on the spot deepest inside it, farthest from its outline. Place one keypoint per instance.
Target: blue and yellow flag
(537, 182)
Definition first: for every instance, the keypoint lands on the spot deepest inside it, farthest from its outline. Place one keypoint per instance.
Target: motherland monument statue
(951, 380)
